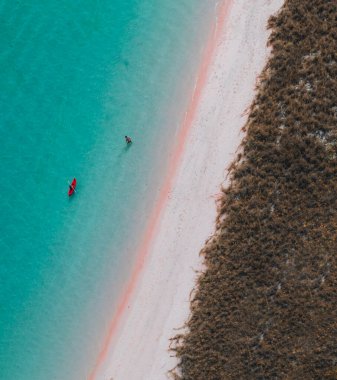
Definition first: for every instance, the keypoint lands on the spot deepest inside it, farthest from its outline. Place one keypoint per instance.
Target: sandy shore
(156, 301)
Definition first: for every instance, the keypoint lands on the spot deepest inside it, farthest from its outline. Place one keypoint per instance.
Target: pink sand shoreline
(184, 215)
(165, 191)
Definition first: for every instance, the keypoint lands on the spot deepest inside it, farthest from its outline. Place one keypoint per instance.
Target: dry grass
(266, 307)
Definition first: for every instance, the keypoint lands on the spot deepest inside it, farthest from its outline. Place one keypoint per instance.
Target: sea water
(75, 77)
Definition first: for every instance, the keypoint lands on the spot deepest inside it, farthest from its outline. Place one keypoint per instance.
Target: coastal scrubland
(265, 307)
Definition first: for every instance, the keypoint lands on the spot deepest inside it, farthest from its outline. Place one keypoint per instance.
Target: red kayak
(72, 188)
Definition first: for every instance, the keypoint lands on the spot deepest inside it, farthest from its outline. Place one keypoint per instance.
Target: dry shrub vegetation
(266, 305)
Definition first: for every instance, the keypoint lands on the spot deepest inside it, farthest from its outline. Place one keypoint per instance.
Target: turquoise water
(75, 77)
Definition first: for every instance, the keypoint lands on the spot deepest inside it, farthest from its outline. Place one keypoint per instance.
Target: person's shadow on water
(124, 151)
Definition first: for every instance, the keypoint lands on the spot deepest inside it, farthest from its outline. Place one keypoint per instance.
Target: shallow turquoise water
(75, 77)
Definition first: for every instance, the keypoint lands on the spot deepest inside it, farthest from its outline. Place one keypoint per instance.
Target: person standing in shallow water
(128, 140)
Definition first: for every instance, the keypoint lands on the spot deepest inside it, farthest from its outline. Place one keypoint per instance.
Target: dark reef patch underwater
(266, 305)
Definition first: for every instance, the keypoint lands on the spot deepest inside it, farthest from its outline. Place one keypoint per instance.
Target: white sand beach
(159, 301)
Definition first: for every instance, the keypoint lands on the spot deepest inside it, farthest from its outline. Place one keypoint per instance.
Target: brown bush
(266, 306)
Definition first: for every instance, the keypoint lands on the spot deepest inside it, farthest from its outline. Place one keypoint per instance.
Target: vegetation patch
(266, 305)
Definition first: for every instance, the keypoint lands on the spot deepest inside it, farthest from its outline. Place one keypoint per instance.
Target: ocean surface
(75, 77)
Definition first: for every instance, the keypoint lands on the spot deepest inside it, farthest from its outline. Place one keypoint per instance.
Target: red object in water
(72, 187)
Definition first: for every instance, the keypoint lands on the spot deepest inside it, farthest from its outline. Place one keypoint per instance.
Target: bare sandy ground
(157, 301)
